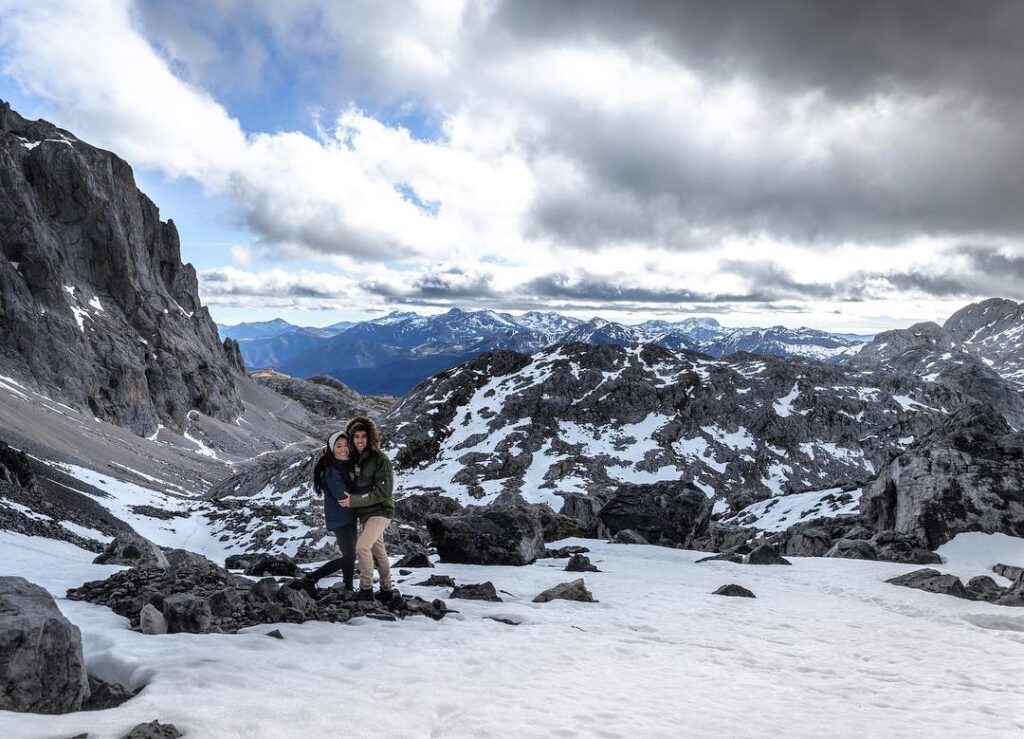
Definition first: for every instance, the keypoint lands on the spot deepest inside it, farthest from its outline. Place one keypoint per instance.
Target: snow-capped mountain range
(393, 353)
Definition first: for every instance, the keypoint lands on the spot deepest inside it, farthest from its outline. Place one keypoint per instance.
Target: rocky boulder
(735, 591)
(765, 555)
(661, 512)
(280, 565)
(488, 536)
(932, 581)
(41, 665)
(134, 551)
(575, 590)
(852, 549)
(580, 563)
(477, 591)
(966, 476)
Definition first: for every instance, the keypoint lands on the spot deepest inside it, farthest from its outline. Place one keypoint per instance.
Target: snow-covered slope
(826, 647)
(993, 330)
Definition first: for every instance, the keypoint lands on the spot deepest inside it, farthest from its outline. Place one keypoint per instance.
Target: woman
(374, 504)
(334, 477)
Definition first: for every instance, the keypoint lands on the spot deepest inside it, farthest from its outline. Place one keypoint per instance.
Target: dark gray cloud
(436, 288)
(848, 49)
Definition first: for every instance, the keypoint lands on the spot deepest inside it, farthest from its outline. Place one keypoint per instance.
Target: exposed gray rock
(903, 548)
(416, 560)
(1008, 571)
(984, 587)
(438, 581)
(153, 730)
(1014, 595)
(187, 613)
(932, 581)
(575, 590)
(671, 512)
(104, 695)
(723, 557)
(132, 550)
(274, 564)
(115, 321)
(765, 555)
(852, 549)
(151, 620)
(566, 551)
(628, 536)
(580, 563)
(966, 476)
(488, 536)
(480, 591)
(326, 397)
(736, 591)
(41, 665)
(179, 557)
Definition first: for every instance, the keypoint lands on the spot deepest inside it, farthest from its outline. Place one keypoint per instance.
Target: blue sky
(327, 162)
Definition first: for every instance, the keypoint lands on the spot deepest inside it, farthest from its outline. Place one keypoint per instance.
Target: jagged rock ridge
(96, 308)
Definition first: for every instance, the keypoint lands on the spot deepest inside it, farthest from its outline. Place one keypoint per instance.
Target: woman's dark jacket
(375, 483)
(337, 480)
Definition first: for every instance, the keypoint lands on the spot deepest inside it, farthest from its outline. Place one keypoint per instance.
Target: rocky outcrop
(488, 536)
(675, 513)
(234, 355)
(41, 665)
(134, 551)
(966, 476)
(197, 598)
(477, 591)
(932, 581)
(580, 563)
(96, 308)
(325, 397)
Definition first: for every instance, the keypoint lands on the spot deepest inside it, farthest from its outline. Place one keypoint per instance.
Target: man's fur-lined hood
(372, 434)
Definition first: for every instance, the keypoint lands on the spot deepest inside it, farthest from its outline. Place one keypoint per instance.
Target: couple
(356, 481)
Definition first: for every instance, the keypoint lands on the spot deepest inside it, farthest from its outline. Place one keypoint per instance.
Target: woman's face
(341, 448)
(359, 438)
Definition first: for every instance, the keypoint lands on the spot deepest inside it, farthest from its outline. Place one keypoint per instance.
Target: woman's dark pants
(346, 536)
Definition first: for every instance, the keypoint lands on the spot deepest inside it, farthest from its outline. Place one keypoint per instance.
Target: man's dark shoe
(386, 597)
(365, 594)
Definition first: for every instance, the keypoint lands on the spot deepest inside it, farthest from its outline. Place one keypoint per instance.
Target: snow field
(826, 647)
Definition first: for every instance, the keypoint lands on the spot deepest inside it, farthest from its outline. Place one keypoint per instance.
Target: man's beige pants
(371, 551)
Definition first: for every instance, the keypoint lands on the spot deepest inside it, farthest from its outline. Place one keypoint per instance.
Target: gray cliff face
(96, 308)
(326, 398)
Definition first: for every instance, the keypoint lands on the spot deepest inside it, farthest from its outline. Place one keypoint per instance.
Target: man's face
(341, 448)
(360, 438)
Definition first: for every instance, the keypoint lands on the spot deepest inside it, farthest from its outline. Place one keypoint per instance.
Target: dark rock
(765, 555)
(893, 546)
(417, 559)
(564, 552)
(416, 508)
(673, 512)
(488, 536)
(481, 591)
(225, 602)
(276, 634)
(103, 695)
(628, 536)
(132, 550)
(504, 620)
(853, 549)
(575, 590)
(584, 509)
(932, 581)
(239, 561)
(179, 557)
(266, 589)
(723, 557)
(734, 590)
(984, 587)
(279, 565)
(437, 581)
(721, 537)
(1008, 571)
(186, 613)
(41, 664)
(153, 730)
(580, 563)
